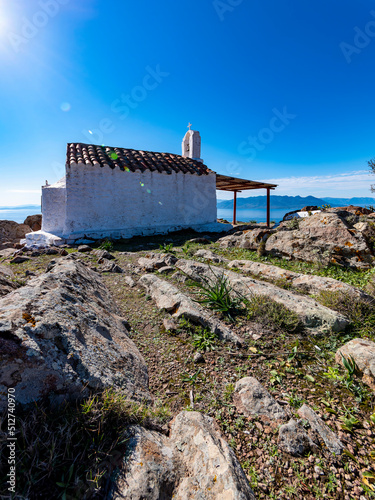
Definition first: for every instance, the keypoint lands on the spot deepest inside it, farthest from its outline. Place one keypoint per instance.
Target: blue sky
(280, 91)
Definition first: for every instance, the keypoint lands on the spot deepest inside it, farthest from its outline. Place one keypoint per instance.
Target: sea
(247, 215)
(19, 214)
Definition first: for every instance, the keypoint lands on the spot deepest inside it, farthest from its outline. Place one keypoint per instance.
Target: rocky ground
(299, 422)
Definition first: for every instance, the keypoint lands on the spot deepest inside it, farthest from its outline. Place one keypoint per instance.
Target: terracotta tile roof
(132, 160)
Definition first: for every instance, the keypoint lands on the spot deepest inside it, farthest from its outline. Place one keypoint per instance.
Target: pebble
(198, 358)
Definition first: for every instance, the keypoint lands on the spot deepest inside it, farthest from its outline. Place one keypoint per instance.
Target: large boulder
(249, 239)
(34, 221)
(194, 462)
(60, 336)
(325, 238)
(11, 232)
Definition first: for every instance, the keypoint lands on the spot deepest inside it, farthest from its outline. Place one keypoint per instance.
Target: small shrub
(106, 245)
(293, 223)
(361, 314)
(269, 312)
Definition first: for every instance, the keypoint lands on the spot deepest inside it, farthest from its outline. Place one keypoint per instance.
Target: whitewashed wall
(101, 201)
(54, 207)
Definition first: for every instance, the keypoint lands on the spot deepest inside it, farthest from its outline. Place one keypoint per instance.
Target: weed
(166, 247)
(106, 245)
(348, 423)
(217, 294)
(204, 339)
(228, 391)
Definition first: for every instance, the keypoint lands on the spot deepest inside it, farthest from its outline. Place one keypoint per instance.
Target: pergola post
(235, 207)
(268, 206)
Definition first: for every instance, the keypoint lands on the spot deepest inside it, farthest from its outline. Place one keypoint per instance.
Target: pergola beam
(226, 183)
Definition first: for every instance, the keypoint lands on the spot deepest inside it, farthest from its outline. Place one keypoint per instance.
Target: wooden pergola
(226, 183)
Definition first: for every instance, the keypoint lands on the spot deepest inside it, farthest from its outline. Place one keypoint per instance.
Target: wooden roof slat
(227, 183)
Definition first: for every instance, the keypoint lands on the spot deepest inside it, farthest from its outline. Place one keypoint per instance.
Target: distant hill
(343, 202)
(293, 202)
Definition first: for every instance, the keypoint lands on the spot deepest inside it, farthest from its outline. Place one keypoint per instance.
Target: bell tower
(191, 145)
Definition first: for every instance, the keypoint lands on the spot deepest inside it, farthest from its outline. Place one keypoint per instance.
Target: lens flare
(65, 106)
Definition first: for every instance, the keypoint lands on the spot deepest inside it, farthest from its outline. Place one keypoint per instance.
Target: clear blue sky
(230, 67)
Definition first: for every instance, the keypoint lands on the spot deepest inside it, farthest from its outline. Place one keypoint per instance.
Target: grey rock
(325, 238)
(252, 399)
(198, 357)
(249, 239)
(363, 353)
(64, 327)
(312, 314)
(5, 253)
(103, 254)
(307, 283)
(294, 440)
(166, 270)
(19, 259)
(193, 463)
(156, 261)
(171, 299)
(208, 255)
(11, 232)
(110, 267)
(6, 285)
(84, 248)
(129, 281)
(330, 439)
(170, 325)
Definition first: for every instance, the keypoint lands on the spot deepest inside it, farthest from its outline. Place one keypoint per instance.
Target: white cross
(189, 126)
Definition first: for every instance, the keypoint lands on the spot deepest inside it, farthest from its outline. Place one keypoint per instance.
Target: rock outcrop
(34, 221)
(11, 232)
(323, 237)
(362, 351)
(194, 462)
(307, 283)
(171, 299)
(60, 335)
(338, 236)
(312, 314)
(6, 285)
